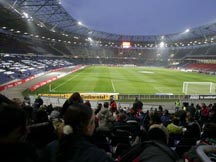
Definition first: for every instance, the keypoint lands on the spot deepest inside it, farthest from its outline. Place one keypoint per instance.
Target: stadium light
(25, 15)
(80, 23)
(59, 2)
(187, 30)
(162, 45)
(90, 39)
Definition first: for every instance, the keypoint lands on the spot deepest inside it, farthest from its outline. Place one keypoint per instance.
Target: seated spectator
(193, 129)
(210, 139)
(74, 99)
(212, 116)
(165, 118)
(97, 110)
(75, 145)
(155, 122)
(105, 117)
(157, 150)
(55, 114)
(5, 101)
(174, 127)
(12, 135)
(87, 102)
(41, 128)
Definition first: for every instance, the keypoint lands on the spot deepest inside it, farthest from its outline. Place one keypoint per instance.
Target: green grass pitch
(125, 80)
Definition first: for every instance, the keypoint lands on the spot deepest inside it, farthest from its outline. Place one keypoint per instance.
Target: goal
(198, 88)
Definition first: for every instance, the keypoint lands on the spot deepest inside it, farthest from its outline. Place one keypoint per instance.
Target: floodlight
(162, 44)
(25, 15)
(187, 30)
(90, 39)
(80, 23)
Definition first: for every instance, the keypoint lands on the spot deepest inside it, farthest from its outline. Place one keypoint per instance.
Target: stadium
(45, 51)
(192, 53)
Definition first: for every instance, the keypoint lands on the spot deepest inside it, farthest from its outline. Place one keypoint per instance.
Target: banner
(86, 96)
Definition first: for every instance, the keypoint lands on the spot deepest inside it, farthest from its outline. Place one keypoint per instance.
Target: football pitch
(125, 80)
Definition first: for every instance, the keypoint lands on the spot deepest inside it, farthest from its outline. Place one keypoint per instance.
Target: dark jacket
(79, 149)
(158, 152)
(18, 152)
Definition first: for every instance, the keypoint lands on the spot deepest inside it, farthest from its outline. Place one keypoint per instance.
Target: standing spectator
(137, 105)
(192, 110)
(204, 112)
(38, 102)
(113, 105)
(197, 112)
(87, 102)
(177, 105)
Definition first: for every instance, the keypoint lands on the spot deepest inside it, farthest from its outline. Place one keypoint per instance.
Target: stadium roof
(50, 13)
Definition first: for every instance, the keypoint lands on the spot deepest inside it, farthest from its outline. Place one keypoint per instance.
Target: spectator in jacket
(74, 99)
(210, 139)
(75, 145)
(105, 117)
(12, 136)
(113, 105)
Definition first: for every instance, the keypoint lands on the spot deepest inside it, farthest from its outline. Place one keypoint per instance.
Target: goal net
(198, 88)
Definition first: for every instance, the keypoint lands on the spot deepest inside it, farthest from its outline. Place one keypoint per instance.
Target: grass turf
(125, 80)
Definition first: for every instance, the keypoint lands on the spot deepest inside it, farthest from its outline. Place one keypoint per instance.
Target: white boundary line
(66, 81)
(113, 86)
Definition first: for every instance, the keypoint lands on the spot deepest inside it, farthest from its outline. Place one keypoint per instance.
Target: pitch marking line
(66, 81)
(113, 86)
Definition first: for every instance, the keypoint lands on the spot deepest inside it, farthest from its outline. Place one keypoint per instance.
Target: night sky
(142, 17)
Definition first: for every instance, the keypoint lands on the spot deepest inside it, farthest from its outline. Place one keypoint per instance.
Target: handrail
(203, 149)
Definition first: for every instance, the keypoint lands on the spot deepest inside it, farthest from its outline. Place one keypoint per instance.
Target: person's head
(157, 134)
(176, 120)
(166, 112)
(99, 106)
(210, 130)
(122, 117)
(41, 116)
(212, 115)
(155, 118)
(160, 108)
(80, 118)
(5, 101)
(12, 124)
(106, 105)
(111, 98)
(87, 102)
(75, 98)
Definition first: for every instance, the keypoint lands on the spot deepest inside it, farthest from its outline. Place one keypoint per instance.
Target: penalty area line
(66, 81)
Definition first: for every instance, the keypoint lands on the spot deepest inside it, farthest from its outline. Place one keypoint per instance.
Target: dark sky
(142, 17)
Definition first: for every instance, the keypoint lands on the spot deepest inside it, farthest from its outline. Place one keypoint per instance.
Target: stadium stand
(27, 51)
